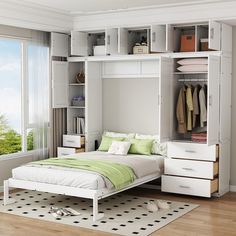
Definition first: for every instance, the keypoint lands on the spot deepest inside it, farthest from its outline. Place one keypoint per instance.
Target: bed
(83, 183)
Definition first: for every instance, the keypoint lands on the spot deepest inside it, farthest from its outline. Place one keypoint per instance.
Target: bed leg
(96, 216)
(6, 199)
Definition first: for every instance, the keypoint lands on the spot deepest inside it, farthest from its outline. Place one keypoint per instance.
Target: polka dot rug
(124, 214)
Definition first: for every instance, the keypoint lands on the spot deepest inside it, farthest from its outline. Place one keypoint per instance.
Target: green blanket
(120, 175)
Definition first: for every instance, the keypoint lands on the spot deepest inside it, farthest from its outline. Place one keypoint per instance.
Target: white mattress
(85, 179)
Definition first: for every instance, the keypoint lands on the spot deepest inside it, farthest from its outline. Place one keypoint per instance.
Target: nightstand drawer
(198, 169)
(189, 186)
(194, 151)
(73, 141)
(64, 151)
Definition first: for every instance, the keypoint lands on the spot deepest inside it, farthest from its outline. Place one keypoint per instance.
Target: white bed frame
(71, 191)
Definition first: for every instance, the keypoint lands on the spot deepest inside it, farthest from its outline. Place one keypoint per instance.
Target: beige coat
(181, 111)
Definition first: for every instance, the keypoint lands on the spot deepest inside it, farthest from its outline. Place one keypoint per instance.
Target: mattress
(141, 164)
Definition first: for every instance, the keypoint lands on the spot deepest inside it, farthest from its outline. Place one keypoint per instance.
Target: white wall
(233, 120)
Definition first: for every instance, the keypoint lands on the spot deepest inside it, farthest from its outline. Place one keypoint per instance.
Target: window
(20, 90)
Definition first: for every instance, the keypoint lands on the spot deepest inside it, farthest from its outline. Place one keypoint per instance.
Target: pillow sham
(157, 147)
(141, 146)
(107, 141)
(119, 147)
(121, 135)
(193, 68)
(193, 61)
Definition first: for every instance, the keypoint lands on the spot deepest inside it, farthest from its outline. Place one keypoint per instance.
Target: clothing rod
(192, 80)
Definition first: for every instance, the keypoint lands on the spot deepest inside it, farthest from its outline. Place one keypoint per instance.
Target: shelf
(131, 76)
(76, 107)
(190, 73)
(77, 84)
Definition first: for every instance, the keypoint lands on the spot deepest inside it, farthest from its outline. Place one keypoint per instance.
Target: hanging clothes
(189, 103)
(181, 111)
(195, 106)
(203, 108)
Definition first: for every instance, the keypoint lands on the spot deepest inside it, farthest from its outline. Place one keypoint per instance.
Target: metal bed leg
(96, 216)
(6, 199)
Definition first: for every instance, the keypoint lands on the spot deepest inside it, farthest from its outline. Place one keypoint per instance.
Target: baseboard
(232, 188)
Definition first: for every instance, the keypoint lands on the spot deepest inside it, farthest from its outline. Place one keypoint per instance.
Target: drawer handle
(190, 151)
(70, 141)
(183, 186)
(64, 154)
(186, 168)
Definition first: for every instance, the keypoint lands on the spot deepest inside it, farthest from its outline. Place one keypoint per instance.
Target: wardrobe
(194, 168)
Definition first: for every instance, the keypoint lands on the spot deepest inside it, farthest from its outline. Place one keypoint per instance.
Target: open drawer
(189, 186)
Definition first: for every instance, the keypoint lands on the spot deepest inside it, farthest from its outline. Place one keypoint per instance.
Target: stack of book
(79, 125)
(199, 137)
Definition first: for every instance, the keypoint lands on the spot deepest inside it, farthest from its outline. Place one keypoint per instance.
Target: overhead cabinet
(59, 45)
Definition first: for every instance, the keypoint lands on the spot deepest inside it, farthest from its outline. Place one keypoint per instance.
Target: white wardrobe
(199, 169)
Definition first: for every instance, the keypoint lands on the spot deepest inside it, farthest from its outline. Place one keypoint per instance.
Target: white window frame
(24, 101)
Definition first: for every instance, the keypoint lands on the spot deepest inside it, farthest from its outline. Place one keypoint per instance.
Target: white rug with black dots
(124, 214)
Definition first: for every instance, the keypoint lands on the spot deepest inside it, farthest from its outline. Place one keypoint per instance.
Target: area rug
(124, 214)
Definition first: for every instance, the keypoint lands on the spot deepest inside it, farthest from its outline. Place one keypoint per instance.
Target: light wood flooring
(214, 217)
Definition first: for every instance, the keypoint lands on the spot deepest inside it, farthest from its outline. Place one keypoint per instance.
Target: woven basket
(80, 77)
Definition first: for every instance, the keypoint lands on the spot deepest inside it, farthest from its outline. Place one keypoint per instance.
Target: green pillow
(141, 146)
(107, 141)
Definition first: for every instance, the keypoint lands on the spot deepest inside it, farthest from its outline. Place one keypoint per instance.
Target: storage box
(204, 45)
(99, 50)
(75, 141)
(187, 43)
(141, 49)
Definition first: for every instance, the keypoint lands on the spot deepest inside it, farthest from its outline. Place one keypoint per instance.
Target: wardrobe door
(122, 41)
(59, 45)
(59, 84)
(214, 35)
(79, 43)
(165, 98)
(158, 38)
(213, 101)
(111, 41)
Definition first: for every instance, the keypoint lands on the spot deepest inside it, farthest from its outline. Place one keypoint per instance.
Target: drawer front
(71, 141)
(198, 169)
(62, 151)
(194, 151)
(189, 186)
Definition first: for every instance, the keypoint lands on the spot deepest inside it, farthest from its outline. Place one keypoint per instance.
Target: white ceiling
(101, 6)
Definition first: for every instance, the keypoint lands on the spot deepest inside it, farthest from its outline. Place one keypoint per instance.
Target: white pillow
(119, 148)
(157, 147)
(193, 68)
(193, 61)
(121, 135)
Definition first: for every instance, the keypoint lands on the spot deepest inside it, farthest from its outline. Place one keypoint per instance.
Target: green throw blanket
(120, 175)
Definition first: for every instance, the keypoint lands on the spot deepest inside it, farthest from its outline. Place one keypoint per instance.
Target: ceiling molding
(170, 5)
(16, 13)
(166, 15)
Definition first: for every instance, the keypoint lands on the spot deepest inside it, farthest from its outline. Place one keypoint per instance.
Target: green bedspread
(120, 175)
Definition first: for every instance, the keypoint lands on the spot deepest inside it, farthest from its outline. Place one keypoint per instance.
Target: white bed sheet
(81, 178)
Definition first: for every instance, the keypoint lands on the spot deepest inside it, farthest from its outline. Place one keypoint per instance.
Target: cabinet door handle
(190, 151)
(186, 168)
(70, 141)
(184, 186)
(154, 37)
(108, 39)
(210, 100)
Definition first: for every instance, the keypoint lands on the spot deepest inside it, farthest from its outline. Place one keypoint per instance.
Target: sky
(10, 82)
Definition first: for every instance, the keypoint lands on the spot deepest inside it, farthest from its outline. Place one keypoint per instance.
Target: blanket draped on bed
(120, 175)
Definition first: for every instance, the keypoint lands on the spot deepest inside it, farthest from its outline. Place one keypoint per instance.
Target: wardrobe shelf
(76, 107)
(192, 72)
(77, 84)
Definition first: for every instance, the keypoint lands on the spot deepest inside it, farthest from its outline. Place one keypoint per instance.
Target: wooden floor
(214, 217)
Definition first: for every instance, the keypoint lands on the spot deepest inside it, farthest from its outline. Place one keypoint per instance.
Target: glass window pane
(10, 96)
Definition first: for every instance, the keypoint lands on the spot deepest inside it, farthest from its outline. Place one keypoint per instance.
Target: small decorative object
(80, 77)
(78, 101)
(141, 48)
